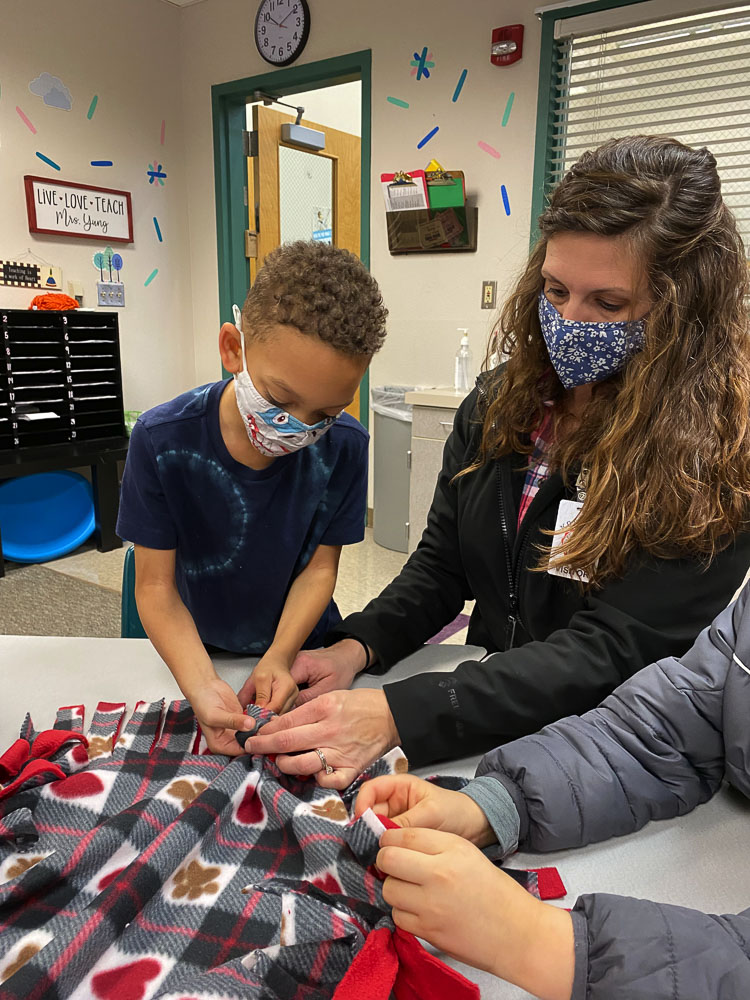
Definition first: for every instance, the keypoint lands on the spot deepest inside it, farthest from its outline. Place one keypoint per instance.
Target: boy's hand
(270, 685)
(331, 669)
(444, 890)
(220, 715)
(411, 801)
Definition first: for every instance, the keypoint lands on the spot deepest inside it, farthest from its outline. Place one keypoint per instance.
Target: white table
(698, 860)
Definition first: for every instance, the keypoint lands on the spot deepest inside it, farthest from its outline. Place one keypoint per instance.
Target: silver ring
(326, 766)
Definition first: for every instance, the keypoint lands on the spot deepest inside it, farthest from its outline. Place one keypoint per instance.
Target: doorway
(311, 199)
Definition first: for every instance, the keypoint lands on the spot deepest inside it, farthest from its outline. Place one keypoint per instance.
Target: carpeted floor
(39, 601)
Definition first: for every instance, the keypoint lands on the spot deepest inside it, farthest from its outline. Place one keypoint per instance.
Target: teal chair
(130, 622)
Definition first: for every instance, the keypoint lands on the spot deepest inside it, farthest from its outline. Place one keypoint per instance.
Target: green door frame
(545, 128)
(228, 102)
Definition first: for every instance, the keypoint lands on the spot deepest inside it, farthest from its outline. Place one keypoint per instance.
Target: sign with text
(26, 274)
(62, 208)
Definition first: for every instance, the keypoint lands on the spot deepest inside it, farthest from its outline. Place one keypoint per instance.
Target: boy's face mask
(271, 430)
(587, 352)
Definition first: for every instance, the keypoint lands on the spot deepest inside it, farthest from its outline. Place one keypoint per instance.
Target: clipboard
(405, 197)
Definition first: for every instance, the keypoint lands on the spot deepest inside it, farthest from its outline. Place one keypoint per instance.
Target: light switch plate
(110, 293)
(489, 294)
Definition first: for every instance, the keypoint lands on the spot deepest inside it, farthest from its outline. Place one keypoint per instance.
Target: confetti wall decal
(508, 106)
(422, 64)
(102, 163)
(163, 129)
(47, 160)
(398, 102)
(459, 85)
(151, 277)
(506, 200)
(158, 230)
(156, 173)
(489, 149)
(25, 120)
(92, 107)
(426, 139)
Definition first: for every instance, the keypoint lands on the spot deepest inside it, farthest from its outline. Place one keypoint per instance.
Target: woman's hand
(411, 801)
(444, 890)
(270, 685)
(331, 669)
(220, 715)
(351, 728)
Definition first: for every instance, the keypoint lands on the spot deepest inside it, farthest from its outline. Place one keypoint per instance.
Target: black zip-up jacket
(553, 649)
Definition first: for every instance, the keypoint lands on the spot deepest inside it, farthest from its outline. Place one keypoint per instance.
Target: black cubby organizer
(60, 378)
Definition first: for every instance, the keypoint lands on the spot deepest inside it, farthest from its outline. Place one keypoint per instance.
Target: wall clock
(281, 30)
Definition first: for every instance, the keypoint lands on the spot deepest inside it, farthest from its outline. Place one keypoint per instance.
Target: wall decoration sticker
(151, 277)
(156, 173)
(158, 230)
(47, 160)
(163, 128)
(52, 90)
(102, 163)
(92, 107)
(398, 102)
(426, 139)
(506, 200)
(422, 64)
(459, 85)
(25, 120)
(489, 149)
(508, 106)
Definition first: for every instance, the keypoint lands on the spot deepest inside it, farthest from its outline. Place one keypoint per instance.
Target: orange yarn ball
(53, 300)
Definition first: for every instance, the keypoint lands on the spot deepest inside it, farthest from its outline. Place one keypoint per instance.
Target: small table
(102, 456)
(698, 860)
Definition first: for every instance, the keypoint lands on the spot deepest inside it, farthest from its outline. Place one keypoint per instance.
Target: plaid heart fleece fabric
(135, 865)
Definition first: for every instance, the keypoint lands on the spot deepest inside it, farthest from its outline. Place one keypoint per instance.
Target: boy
(238, 495)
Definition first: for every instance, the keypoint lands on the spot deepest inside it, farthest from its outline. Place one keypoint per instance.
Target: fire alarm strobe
(507, 44)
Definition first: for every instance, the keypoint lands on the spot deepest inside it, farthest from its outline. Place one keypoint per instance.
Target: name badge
(567, 512)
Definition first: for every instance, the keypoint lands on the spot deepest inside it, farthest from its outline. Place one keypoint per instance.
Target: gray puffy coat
(656, 748)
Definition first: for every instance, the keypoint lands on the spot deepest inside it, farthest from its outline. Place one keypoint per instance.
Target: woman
(627, 386)
(657, 748)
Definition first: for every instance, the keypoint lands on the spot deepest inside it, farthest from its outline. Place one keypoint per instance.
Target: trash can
(392, 428)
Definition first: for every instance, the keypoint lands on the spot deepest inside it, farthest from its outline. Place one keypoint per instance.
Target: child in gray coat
(660, 745)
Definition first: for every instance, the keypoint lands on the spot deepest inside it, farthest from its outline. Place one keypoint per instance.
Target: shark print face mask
(271, 430)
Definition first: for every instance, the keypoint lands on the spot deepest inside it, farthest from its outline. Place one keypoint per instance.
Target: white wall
(428, 296)
(128, 55)
(336, 107)
(149, 60)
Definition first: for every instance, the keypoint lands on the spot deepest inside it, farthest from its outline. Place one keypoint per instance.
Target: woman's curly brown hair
(666, 442)
(321, 290)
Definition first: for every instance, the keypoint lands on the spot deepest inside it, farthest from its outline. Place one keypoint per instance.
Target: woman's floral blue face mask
(583, 352)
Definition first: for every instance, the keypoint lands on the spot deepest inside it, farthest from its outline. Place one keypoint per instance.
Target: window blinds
(688, 77)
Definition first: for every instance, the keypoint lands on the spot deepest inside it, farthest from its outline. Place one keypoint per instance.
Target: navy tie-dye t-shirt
(241, 536)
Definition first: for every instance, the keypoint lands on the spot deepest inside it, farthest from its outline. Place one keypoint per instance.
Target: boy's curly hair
(321, 290)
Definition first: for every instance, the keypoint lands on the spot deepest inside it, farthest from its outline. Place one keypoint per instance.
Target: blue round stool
(45, 515)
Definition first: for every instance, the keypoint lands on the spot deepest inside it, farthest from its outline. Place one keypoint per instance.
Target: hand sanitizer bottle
(463, 368)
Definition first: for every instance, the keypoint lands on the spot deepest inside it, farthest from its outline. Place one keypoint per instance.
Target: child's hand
(220, 715)
(270, 685)
(330, 669)
(410, 801)
(444, 890)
